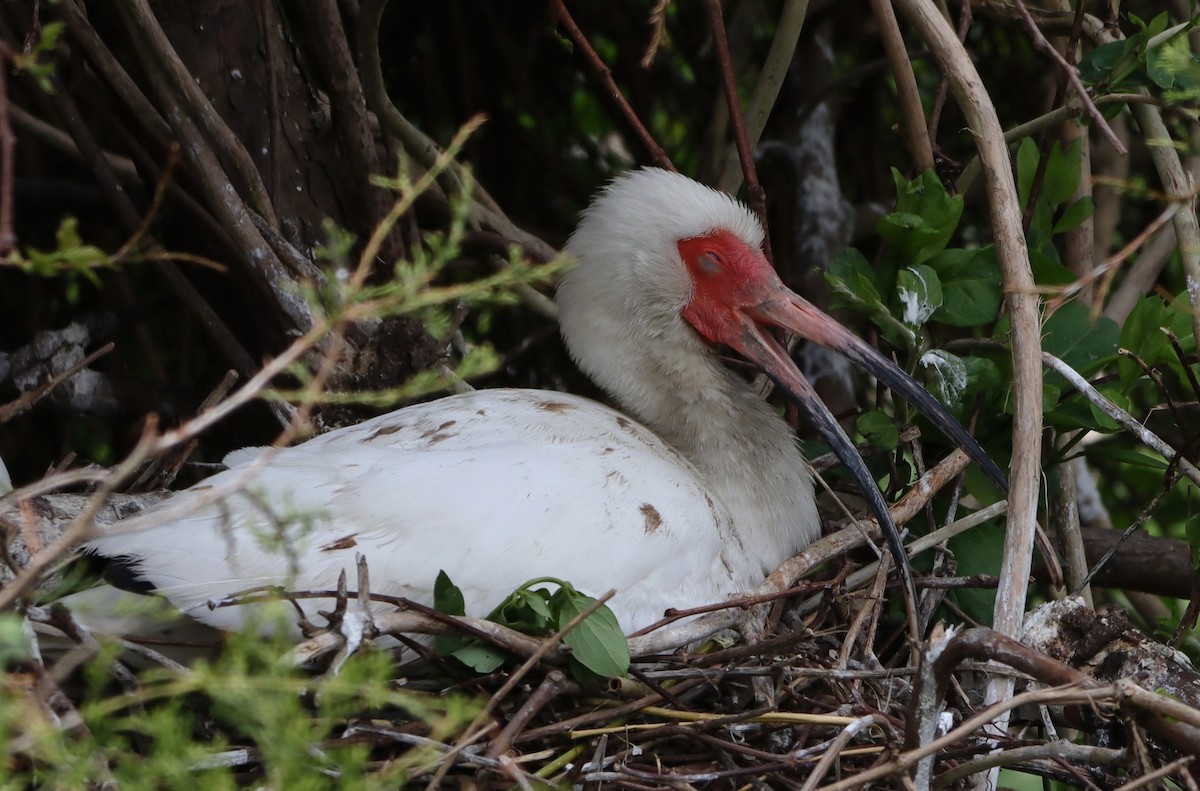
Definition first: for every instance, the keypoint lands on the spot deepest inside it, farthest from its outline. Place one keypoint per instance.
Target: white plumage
(693, 497)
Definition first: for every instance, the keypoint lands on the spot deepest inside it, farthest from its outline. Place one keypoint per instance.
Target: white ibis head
(668, 267)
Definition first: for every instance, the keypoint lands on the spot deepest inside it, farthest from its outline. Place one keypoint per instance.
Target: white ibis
(693, 495)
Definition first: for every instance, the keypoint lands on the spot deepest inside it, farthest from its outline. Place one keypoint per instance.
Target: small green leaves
(480, 657)
(1153, 57)
(1060, 179)
(1173, 66)
(925, 218)
(919, 292)
(596, 642)
(850, 277)
(70, 254)
(1143, 336)
(447, 597)
(879, 429)
(947, 375)
(34, 62)
(1070, 335)
(972, 290)
(598, 646)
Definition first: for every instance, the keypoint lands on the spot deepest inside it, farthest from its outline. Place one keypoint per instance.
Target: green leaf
(480, 657)
(1050, 395)
(597, 642)
(526, 610)
(447, 598)
(925, 218)
(978, 551)
(1048, 272)
(1070, 335)
(1100, 66)
(1075, 214)
(1027, 161)
(946, 377)
(972, 288)
(982, 374)
(1118, 398)
(1132, 458)
(1172, 66)
(1070, 413)
(1062, 174)
(878, 429)
(850, 277)
(919, 292)
(1142, 336)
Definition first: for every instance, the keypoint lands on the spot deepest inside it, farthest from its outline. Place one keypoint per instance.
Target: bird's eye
(710, 262)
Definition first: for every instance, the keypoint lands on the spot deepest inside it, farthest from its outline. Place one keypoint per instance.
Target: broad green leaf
(1133, 458)
(978, 551)
(1101, 65)
(982, 374)
(1075, 214)
(1051, 391)
(1173, 66)
(447, 597)
(1070, 336)
(925, 218)
(480, 657)
(878, 429)
(1142, 336)
(1118, 398)
(919, 292)
(1072, 412)
(972, 289)
(849, 276)
(946, 376)
(597, 642)
(1062, 174)
(1048, 272)
(1027, 161)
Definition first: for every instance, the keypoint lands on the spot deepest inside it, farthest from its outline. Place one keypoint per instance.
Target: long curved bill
(784, 309)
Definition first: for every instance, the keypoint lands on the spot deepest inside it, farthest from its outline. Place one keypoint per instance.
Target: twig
(476, 728)
(559, 10)
(914, 127)
(939, 96)
(755, 196)
(1072, 73)
(28, 399)
(8, 142)
(766, 90)
(153, 42)
(1123, 418)
(1059, 749)
(1166, 770)
(839, 743)
(1025, 470)
(127, 213)
(349, 110)
(1045, 121)
(172, 86)
(484, 210)
(46, 558)
(551, 687)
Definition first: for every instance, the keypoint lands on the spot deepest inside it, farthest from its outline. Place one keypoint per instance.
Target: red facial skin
(728, 275)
